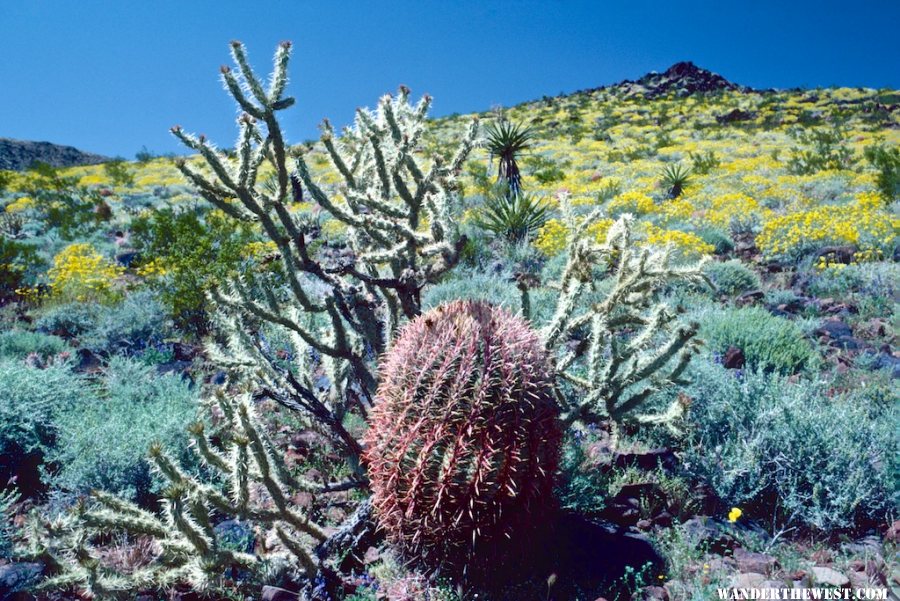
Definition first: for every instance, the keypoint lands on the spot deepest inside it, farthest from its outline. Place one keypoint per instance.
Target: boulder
(829, 577)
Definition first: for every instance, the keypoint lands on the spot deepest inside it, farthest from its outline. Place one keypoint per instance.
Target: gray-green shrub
(17, 344)
(764, 442)
(29, 399)
(103, 441)
(768, 342)
(732, 277)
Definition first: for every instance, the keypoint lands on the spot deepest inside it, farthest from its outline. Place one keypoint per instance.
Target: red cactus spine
(463, 441)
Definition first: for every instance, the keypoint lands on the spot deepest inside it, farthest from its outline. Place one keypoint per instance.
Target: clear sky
(111, 77)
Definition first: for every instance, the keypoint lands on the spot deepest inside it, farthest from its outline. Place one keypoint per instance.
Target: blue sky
(111, 77)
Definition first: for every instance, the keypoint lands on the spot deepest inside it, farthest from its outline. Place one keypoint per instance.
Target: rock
(887, 361)
(893, 532)
(733, 359)
(748, 561)
(236, 535)
(15, 577)
(709, 534)
(779, 584)
(839, 254)
(829, 577)
(748, 298)
(822, 556)
(127, 258)
(748, 580)
(273, 593)
(18, 155)
(653, 592)
(664, 519)
(644, 525)
(735, 115)
(833, 329)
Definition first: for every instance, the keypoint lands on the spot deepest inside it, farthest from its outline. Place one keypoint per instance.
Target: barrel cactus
(464, 436)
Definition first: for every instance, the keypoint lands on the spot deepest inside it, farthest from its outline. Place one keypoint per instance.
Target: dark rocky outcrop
(18, 155)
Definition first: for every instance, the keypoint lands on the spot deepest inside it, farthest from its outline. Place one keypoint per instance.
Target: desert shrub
(81, 273)
(118, 172)
(28, 401)
(789, 450)
(887, 160)
(69, 320)
(474, 285)
(132, 325)
(872, 279)
(769, 343)
(8, 498)
(186, 252)
(732, 277)
(71, 210)
(17, 344)
(103, 441)
(820, 149)
(513, 216)
(703, 162)
(19, 262)
(579, 487)
(717, 238)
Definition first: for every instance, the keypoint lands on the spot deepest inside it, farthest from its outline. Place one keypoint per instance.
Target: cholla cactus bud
(464, 437)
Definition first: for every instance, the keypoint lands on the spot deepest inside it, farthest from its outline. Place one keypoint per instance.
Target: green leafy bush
(775, 447)
(732, 277)
(18, 261)
(194, 251)
(103, 441)
(514, 216)
(18, 344)
(887, 160)
(769, 343)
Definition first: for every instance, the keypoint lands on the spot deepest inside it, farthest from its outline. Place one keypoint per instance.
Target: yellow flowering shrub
(686, 244)
(81, 273)
(634, 202)
(551, 237)
(726, 207)
(863, 224)
(23, 203)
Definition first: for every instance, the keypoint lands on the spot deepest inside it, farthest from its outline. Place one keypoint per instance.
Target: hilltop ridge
(18, 155)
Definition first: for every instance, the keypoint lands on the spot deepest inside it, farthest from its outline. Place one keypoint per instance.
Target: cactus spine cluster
(464, 438)
(190, 550)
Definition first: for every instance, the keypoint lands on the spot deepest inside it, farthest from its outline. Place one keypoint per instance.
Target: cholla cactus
(188, 549)
(635, 343)
(339, 311)
(464, 438)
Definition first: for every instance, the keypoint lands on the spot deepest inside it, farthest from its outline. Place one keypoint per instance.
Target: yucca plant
(675, 178)
(512, 216)
(505, 140)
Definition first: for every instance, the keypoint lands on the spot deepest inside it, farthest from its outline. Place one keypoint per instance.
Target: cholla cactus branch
(388, 195)
(635, 345)
(191, 550)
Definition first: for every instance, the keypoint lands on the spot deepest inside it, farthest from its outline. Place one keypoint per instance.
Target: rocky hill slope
(17, 155)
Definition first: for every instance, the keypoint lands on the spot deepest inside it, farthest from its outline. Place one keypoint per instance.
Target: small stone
(18, 576)
(649, 593)
(273, 593)
(893, 533)
(748, 580)
(734, 358)
(644, 525)
(372, 555)
(822, 556)
(749, 561)
(829, 577)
